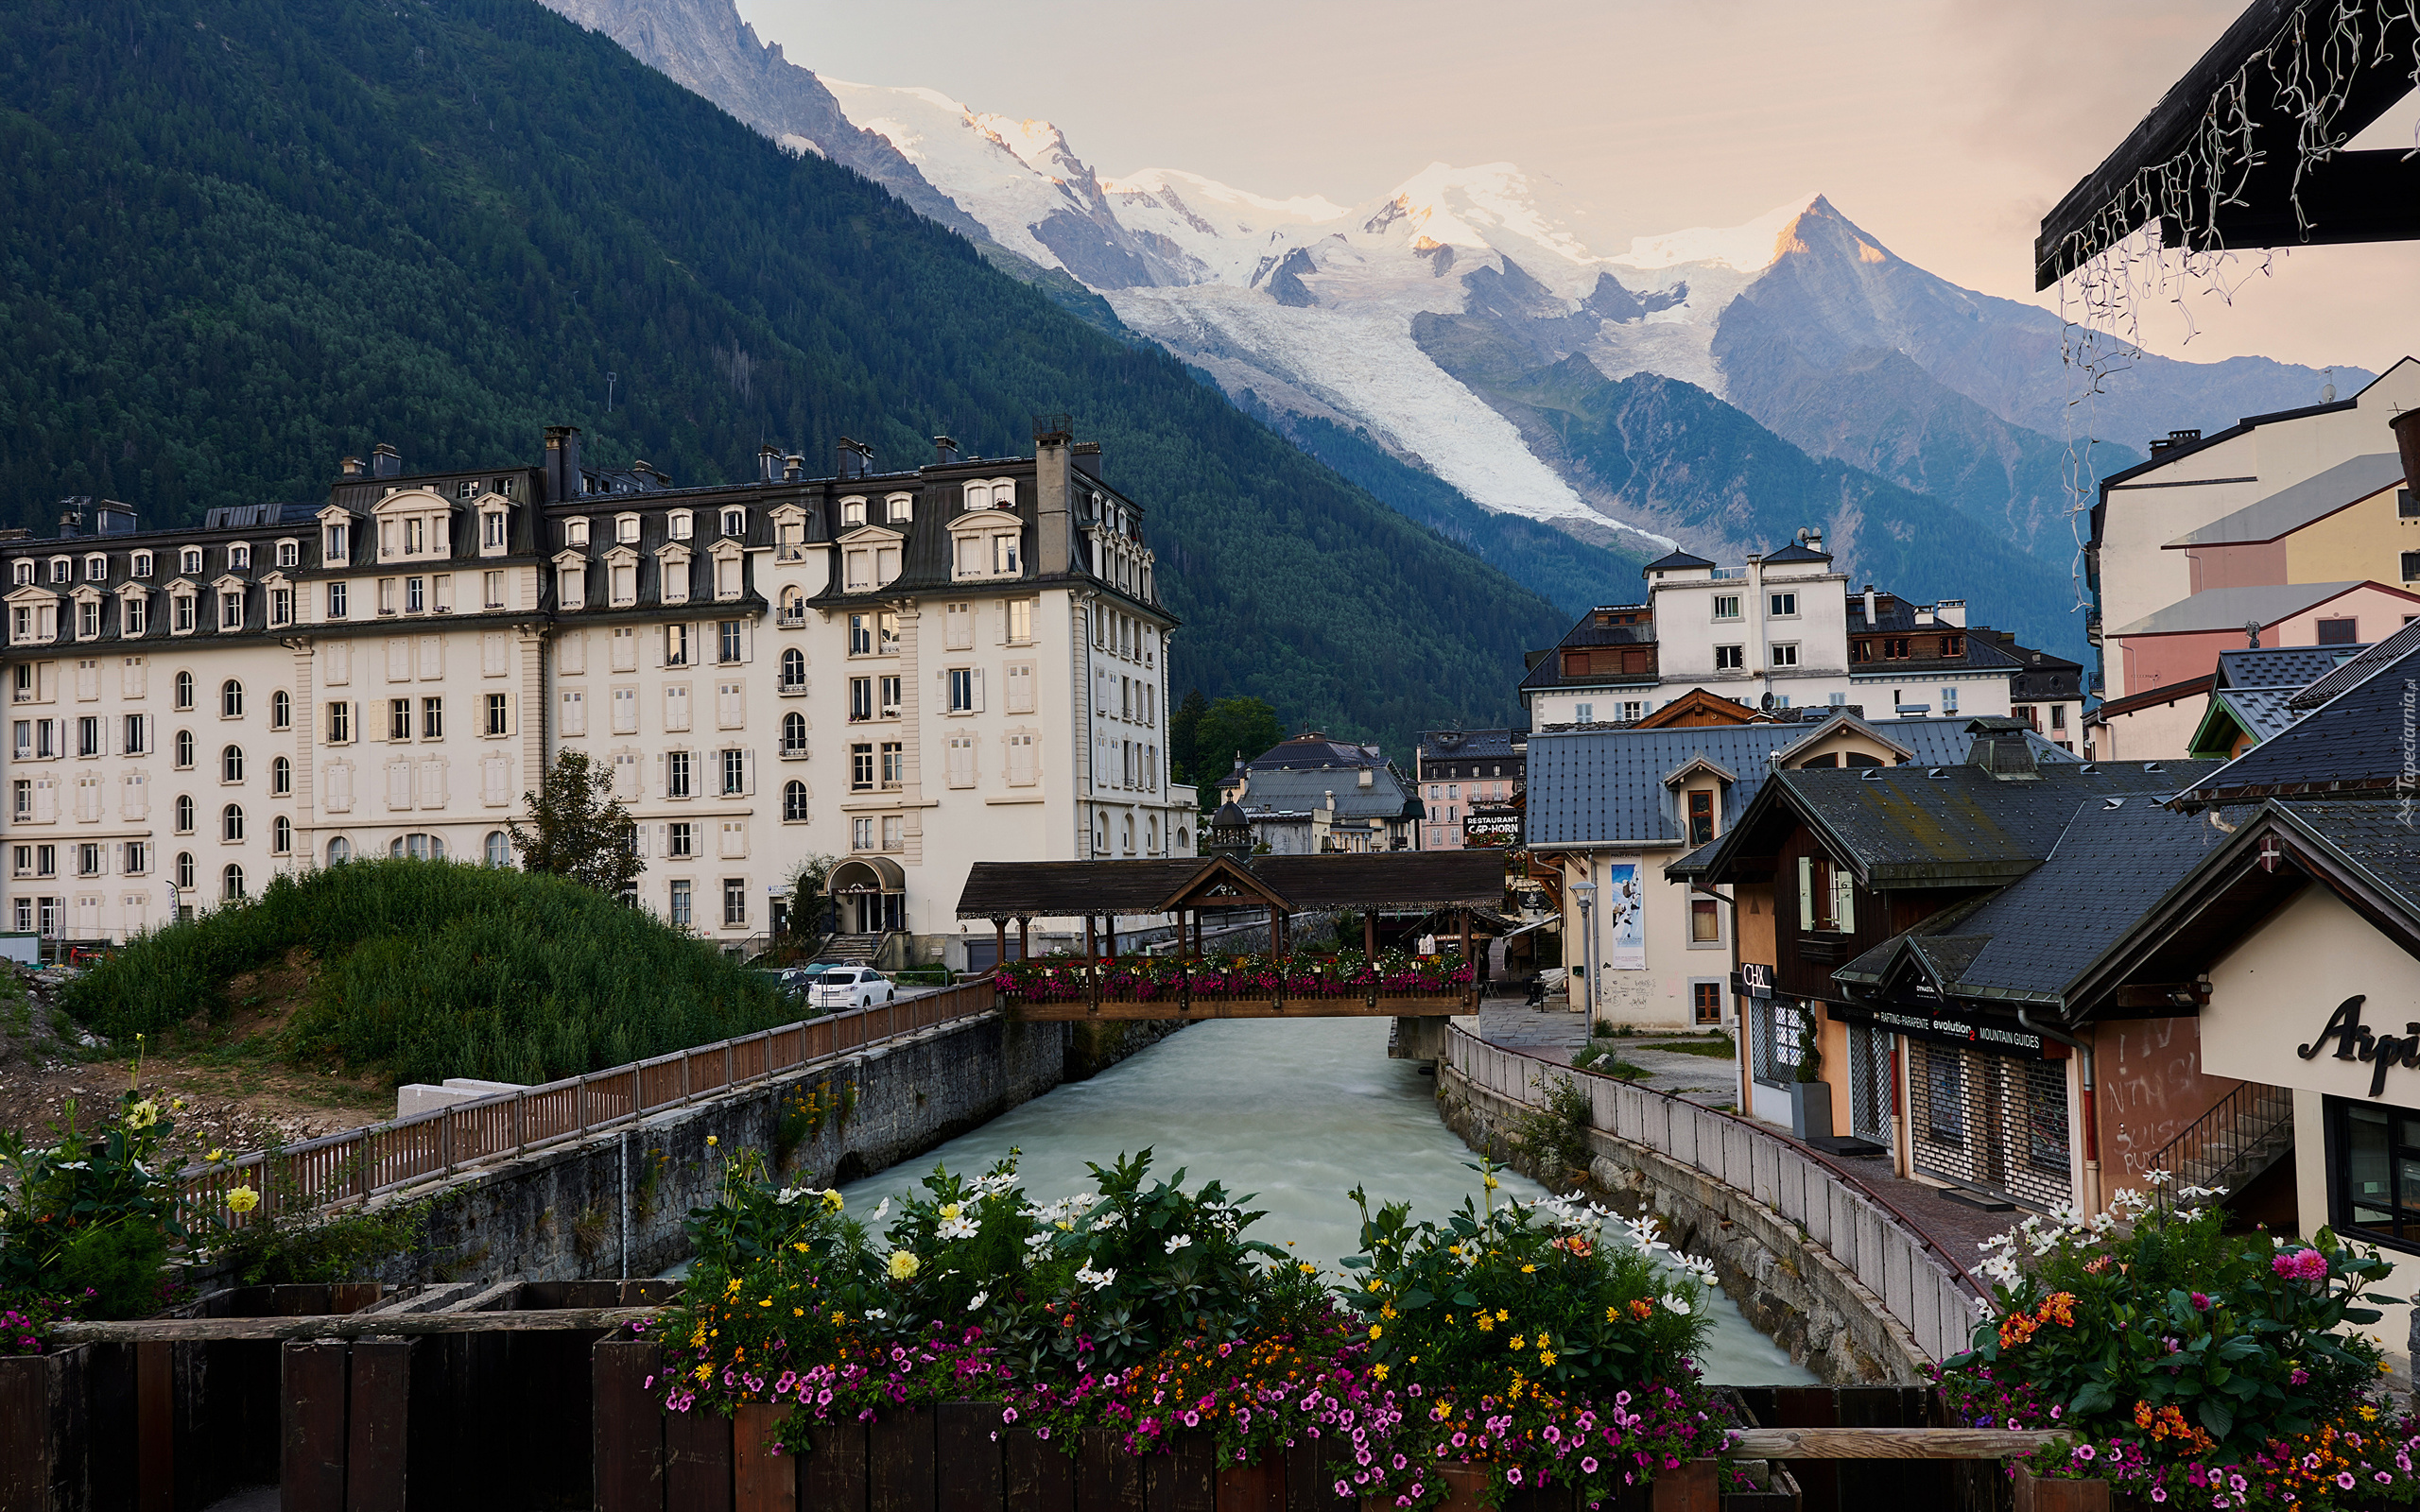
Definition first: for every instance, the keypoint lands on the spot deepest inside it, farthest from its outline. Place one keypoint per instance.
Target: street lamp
(1587, 893)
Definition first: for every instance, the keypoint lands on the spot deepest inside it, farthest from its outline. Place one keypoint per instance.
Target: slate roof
(2353, 742)
(1470, 745)
(2367, 661)
(1795, 551)
(2291, 509)
(2282, 666)
(1675, 561)
(2107, 868)
(2260, 712)
(1904, 825)
(1398, 879)
(1277, 790)
(2231, 608)
(1606, 787)
(2370, 833)
(1312, 750)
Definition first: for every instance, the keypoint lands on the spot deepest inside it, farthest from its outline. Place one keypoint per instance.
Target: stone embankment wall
(614, 1205)
(1786, 1284)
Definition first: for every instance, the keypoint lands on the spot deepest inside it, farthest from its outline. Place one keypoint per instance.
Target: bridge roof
(1389, 879)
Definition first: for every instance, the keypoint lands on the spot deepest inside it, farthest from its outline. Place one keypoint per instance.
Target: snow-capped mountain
(1433, 319)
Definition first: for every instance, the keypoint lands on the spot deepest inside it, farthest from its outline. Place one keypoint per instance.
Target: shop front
(1986, 1105)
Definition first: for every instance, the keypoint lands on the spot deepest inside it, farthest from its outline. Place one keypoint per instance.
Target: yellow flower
(904, 1264)
(1486, 1324)
(1375, 1330)
(1379, 1372)
(1492, 1183)
(243, 1200)
(216, 1156)
(143, 1114)
(949, 1211)
(1545, 1357)
(799, 1246)
(798, 1312)
(703, 1371)
(1502, 1317)
(832, 1198)
(839, 1317)
(711, 1139)
(1304, 1266)
(1520, 1343)
(766, 1302)
(1374, 1286)
(1528, 1269)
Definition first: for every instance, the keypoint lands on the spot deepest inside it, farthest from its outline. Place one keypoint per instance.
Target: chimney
(71, 517)
(1053, 492)
(2407, 441)
(1951, 612)
(114, 519)
(386, 462)
(793, 468)
(945, 451)
(350, 466)
(2175, 440)
(1869, 606)
(563, 463)
(768, 459)
(856, 459)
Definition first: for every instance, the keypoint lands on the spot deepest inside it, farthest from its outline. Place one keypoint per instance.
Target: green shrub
(432, 968)
(86, 1218)
(304, 1246)
(116, 1268)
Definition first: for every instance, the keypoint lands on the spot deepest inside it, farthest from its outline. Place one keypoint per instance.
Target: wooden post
(1470, 994)
(311, 1462)
(2033, 1495)
(1369, 936)
(155, 1426)
(627, 1457)
(999, 941)
(1024, 946)
(1091, 944)
(378, 1425)
(762, 1481)
(1695, 1487)
(1111, 919)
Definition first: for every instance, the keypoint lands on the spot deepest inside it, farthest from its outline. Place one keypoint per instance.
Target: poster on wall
(1625, 917)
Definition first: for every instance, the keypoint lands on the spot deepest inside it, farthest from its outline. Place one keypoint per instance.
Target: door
(1871, 1083)
(1997, 1122)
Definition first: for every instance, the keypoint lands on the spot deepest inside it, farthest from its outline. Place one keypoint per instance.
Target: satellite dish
(1766, 703)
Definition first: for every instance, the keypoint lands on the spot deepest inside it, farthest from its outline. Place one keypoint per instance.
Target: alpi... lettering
(2356, 1042)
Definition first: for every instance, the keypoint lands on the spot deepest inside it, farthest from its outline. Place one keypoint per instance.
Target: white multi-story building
(1785, 631)
(911, 670)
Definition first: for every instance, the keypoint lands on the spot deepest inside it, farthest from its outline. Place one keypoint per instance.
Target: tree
(1185, 733)
(578, 829)
(807, 898)
(1242, 726)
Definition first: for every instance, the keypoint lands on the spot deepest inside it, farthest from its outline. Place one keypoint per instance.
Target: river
(1297, 1112)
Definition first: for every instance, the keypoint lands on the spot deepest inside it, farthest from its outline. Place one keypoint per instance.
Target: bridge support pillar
(1421, 1038)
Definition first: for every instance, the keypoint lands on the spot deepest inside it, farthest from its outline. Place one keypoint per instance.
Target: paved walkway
(1710, 1081)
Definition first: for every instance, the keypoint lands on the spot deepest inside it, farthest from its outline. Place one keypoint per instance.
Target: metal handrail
(2269, 1107)
(377, 1157)
(1845, 1177)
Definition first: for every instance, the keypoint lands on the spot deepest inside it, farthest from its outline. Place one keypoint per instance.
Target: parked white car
(850, 986)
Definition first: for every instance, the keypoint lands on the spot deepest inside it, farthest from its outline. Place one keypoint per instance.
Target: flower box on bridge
(1234, 987)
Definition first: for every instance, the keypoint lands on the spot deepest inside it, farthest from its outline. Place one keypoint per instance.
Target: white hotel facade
(910, 670)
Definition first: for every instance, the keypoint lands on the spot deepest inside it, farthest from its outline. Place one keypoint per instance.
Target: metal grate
(1869, 1083)
(1991, 1121)
(1772, 1041)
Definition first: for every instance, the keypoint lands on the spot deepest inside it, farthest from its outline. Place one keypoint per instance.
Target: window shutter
(1843, 901)
(748, 772)
(399, 784)
(976, 679)
(1805, 894)
(432, 656)
(399, 659)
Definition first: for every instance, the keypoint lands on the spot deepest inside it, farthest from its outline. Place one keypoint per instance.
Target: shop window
(2377, 1172)
(1774, 1036)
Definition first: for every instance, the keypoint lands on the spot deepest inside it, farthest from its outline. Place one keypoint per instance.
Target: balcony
(790, 619)
(791, 690)
(793, 753)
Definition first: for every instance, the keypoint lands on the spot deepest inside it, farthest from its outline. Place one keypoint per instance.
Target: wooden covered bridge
(1466, 888)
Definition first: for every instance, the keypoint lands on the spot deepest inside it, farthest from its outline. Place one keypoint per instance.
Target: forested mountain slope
(245, 237)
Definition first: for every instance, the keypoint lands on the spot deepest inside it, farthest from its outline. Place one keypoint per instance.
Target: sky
(1946, 129)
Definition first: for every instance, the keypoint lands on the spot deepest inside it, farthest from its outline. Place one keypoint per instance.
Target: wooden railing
(1920, 1285)
(362, 1162)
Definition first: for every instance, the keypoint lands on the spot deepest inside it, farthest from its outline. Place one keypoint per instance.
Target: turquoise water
(1298, 1111)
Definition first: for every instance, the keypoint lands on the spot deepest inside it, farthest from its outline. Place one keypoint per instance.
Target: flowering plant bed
(1140, 1315)
(1150, 979)
(2191, 1365)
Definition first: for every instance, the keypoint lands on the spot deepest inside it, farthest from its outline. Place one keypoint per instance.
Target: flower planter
(1810, 1109)
(2036, 1494)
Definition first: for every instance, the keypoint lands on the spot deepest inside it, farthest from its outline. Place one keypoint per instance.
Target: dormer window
(281, 606)
(25, 573)
(899, 508)
(415, 535)
(189, 559)
(626, 529)
(853, 512)
(97, 568)
(335, 543)
(63, 569)
(678, 524)
(231, 610)
(181, 614)
(734, 522)
(492, 529)
(996, 494)
(289, 554)
(239, 557)
(576, 532)
(468, 488)
(625, 583)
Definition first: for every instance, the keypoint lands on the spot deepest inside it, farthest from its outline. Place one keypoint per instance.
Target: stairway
(850, 949)
(2250, 1129)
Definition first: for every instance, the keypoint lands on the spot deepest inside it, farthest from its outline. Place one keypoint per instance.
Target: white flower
(1095, 1278)
(1677, 1303)
(1110, 1220)
(876, 1313)
(1699, 1266)
(960, 1227)
(2159, 1178)
(880, 1208)
(1179, 1243)
(1036, 1241)
(789, 1194)
(980, 1297)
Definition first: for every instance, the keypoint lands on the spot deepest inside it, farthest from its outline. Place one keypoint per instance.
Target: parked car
(849, 987)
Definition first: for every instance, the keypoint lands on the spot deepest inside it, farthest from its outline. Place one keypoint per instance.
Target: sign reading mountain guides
(1945, 1026)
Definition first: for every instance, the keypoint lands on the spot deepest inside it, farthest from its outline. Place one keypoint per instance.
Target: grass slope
(430, 968)
(245, 237)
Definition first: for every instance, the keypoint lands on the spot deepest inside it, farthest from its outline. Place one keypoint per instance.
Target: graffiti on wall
(2151, 1089)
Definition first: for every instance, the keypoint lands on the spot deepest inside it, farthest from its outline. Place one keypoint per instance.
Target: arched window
(793, 668)
(340, 851)
(1129, 834)
(184, 870)
(230, 699)
(185, 690)
(184, 816)
(499, 848)
(280, 778)
(793, 733)
(281, 709)
(418, 847)
(231, 764)
(280, 834)
(794, 802)
(234, 881)
(185, 748)
(231, 823)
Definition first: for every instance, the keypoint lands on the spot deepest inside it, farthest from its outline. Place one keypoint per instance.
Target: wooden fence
(428, 1147)
(1920, 1285)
